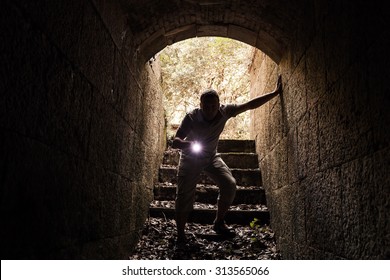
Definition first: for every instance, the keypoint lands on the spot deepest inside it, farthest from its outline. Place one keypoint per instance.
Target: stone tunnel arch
(155, 25)
(261, 40)
(77, 99)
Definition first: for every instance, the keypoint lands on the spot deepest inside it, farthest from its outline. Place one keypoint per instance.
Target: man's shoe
(221, 228)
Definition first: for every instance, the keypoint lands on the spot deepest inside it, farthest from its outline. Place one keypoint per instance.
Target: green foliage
(261, 233)
(192, 66)
(255, 224)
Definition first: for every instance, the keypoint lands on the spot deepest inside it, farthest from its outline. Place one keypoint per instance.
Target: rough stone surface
(156, 24)
(324, 143)
(81, 134)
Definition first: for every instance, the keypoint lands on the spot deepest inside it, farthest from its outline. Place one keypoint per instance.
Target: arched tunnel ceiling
(268, 25)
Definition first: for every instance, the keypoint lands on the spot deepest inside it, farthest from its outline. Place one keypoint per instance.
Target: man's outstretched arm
(258, 101)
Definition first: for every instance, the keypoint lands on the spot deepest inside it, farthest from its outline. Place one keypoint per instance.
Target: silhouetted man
(197, 137)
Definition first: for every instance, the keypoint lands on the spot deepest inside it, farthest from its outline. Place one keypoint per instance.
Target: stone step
(244, 177)
(232, 159)
(209, 194)
(240, 146)
(205, 213)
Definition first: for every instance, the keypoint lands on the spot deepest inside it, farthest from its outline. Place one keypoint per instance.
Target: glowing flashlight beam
(196, 147)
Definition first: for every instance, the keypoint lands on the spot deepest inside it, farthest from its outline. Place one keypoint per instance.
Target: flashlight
(196, 147)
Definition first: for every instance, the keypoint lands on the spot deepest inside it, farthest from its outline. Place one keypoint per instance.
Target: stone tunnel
(82, 123)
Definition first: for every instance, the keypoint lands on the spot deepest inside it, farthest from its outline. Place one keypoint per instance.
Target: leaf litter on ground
(250, 243)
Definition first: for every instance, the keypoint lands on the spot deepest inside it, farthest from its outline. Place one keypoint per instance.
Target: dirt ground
(252, 242)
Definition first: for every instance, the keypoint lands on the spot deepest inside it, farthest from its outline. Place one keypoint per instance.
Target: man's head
(209, 104)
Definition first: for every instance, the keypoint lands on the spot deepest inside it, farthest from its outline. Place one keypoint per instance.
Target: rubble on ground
(252, 242)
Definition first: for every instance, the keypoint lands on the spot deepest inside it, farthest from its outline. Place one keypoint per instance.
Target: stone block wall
(324, 143)
(81, 131)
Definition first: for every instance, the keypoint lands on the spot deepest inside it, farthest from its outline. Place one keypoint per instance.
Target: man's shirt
(206, 133)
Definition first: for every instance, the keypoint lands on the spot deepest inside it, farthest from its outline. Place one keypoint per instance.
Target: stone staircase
(249, 203)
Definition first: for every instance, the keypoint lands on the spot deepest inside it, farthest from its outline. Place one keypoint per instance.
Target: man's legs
(188, 177)
(181, 220)
(185, 196)
(224, 179)
(222, 209)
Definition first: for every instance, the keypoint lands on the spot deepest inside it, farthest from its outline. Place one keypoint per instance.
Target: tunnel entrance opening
(186, 69)
(191, 66)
